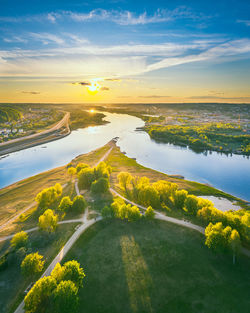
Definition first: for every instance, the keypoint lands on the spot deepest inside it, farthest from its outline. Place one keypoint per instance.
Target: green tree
(47, 196)
(107, 212)
(19, 240)
(85, 178)
(150, 213)
(48, 221)
(32, 264)
(71, 270)
(124, 179)
(79, 204)
(191, 204)
(235, 243)
(39, 298)
(65, 204)
(217, 237)
(65, 297)
(133, 214)
(80, 166)
(100, 186)
(149, 196)
(71, 172)
(179, 198)
(102, 170)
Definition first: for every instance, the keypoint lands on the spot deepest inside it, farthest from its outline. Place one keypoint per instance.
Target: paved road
(163, 217)
(62, 122)
(86, 224)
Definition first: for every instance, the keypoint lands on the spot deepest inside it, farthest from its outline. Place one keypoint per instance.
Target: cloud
(82, 83)
(246, 22)
(113, 79)
(15, 39)
(125, 18)
(105, 88)
(218, 97)
(31, 92)
(223, 50)
(45, 38)
(154, 96)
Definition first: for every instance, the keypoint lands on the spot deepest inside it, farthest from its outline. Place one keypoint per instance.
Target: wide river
(228, 173)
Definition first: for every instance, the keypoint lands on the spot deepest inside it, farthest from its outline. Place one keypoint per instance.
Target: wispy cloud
(31, 92)
(121, 17)
(154, 96)
(15, 39)
(246, 22)
(221, 98)
(105, 88)
(130, 18)
(45, 38)
(81, 83)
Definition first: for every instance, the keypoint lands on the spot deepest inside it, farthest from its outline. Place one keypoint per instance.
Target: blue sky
(140, 51)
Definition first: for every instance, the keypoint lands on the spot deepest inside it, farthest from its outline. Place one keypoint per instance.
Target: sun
(93, 88)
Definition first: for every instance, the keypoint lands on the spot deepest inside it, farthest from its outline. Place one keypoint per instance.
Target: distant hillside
(8, 114)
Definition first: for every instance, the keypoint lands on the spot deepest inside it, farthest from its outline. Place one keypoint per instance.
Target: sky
(125, 51)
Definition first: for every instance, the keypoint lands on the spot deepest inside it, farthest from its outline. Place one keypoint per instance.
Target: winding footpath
(85, 225)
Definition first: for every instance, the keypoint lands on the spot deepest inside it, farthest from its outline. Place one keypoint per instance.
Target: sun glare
(93, 88)
(92, 111)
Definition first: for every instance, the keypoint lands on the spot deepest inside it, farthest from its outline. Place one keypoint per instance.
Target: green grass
(12, 282)
(157, 267)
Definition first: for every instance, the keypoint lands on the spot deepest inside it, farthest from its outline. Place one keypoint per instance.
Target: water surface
(228, 173)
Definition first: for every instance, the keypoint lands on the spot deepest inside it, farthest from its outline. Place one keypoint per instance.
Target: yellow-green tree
(124, 179)
(32, 264)
(71, 172)
(48, 221)
(19, 240)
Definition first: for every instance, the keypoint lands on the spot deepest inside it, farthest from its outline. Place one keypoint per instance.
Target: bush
(100, 186)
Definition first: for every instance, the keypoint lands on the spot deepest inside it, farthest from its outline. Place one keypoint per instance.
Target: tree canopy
(19, 240)
(48, 221)
(32, 264)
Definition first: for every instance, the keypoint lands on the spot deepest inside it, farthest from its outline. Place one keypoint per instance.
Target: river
(228, 173)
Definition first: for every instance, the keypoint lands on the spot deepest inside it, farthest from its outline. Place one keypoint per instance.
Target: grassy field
(12, 282)
(157, 267)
